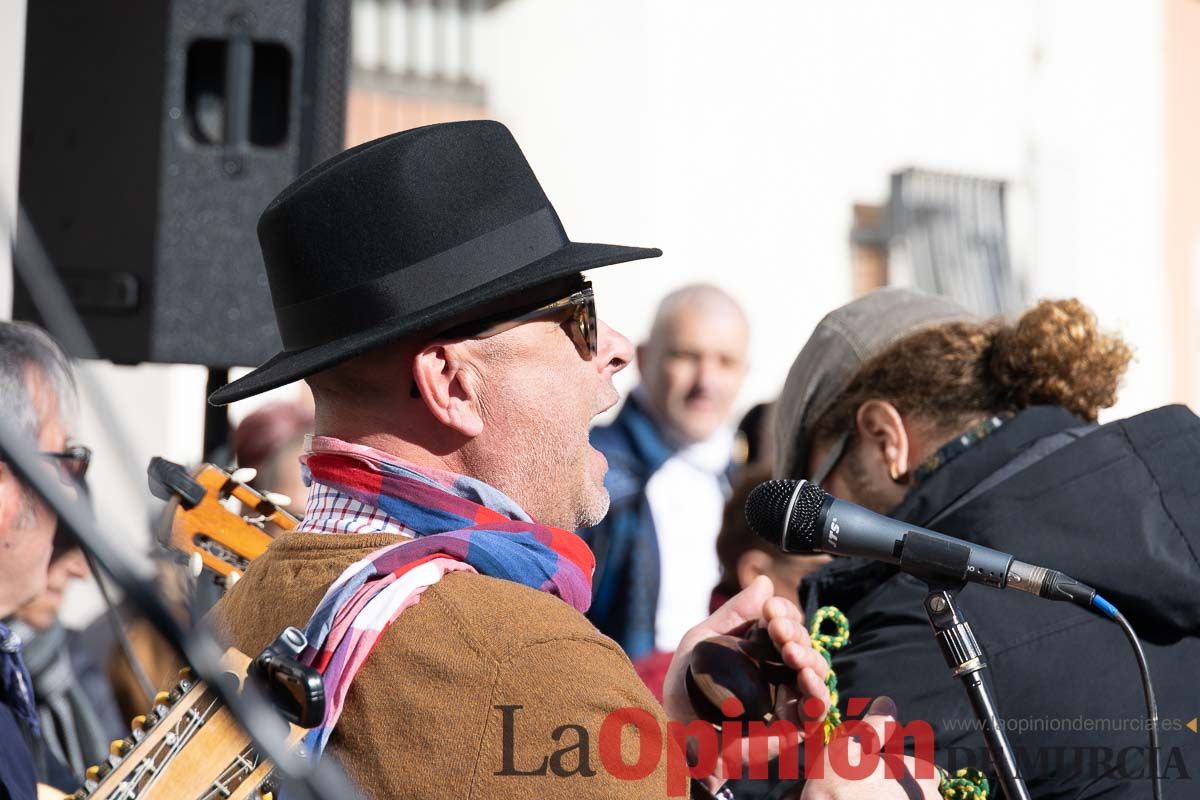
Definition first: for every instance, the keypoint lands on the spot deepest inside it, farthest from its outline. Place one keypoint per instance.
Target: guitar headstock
(222, 520)
(186, 746)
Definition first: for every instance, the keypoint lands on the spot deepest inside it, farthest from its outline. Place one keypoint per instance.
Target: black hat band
(423, 284)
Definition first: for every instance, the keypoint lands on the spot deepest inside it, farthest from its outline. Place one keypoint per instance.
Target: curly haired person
(986, 430)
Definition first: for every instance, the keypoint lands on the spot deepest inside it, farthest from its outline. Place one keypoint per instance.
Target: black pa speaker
(154, 132)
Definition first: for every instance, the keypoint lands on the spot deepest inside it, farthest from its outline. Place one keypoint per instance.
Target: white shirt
(687, 498)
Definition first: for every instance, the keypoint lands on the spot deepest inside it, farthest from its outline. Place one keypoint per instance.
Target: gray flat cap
(842, 342)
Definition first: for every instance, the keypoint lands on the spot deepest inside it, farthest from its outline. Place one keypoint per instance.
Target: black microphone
(801, 517)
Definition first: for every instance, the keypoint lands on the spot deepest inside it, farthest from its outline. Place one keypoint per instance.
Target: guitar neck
(187, 747)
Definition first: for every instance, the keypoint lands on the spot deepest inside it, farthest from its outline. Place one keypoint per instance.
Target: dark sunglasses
(582, 329)
(72, 463)
(831, 460)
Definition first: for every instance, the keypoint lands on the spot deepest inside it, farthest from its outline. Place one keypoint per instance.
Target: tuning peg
(96, 772)
(277, 499)
(233, 577)
(163, 703)
(195, 565)
(244, 475)
(186, 674)
(137, 727)
(117, 751)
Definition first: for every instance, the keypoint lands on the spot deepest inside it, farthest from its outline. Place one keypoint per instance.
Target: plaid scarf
(16, 687)
(459, 524)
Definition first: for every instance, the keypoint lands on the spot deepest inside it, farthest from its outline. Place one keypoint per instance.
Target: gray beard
(587, 520)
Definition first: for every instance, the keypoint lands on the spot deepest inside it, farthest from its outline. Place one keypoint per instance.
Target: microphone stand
(942, 567)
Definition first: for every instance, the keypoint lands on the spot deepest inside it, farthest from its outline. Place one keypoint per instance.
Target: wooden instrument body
(189, 746)
(229, 527)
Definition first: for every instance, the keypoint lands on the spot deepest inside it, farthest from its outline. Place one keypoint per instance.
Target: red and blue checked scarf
(458, 524)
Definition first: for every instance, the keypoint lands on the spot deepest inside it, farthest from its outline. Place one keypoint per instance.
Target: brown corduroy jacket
(478, 681)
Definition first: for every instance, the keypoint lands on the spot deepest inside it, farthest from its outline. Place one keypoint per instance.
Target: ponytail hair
(950, 374)
(1055, 355)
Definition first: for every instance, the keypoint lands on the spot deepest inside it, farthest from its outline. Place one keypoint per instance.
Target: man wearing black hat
(426, 290)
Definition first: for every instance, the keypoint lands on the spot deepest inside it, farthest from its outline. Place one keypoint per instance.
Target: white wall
(1096, 168)
(737, 136)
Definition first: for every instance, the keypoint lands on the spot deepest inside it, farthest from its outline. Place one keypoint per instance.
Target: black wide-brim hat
(397, 235)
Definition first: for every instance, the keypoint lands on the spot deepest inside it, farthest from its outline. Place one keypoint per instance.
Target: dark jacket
(1115, 506)
(18, 778)
(24, 761)
(625, 584)
(79, 717)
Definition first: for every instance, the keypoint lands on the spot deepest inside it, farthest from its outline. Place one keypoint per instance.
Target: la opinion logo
(697, 749)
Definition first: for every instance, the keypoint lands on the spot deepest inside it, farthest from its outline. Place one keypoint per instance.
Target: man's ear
(751, 564)
(448, 387)
(640, 354)
(881, 429)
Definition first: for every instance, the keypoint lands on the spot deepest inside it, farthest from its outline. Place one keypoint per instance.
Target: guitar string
(131, 788)
(245, 763)
(194, 722)
(148, 768)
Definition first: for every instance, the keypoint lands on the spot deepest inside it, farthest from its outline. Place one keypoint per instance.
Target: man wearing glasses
(37, 394)
(425, 289)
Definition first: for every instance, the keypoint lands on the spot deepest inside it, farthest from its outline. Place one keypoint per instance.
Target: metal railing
(951, 232)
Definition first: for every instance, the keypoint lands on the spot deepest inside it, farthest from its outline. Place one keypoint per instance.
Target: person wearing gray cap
(987, 430)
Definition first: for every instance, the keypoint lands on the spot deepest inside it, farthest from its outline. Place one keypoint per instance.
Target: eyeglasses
(831, 460)
(72, 463)
(582, 328)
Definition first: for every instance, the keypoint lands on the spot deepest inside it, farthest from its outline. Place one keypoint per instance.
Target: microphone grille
(768, 504)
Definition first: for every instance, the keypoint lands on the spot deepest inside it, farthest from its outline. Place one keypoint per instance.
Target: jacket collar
(921, 505)
(844, 581)
(650, 450)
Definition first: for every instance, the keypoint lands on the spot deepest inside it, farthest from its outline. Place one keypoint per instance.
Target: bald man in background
(670, 453)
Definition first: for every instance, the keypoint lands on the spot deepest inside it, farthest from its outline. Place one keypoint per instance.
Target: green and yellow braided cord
(826, 644)
(965, 784)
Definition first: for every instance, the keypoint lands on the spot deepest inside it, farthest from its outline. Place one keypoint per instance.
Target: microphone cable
(1109, 610)
(784, 504)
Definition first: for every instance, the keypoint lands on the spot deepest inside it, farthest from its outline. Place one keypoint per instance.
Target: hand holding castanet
(759, 638)
(746, 668)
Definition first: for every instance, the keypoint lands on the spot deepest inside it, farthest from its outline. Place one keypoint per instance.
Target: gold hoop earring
(894, 471)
